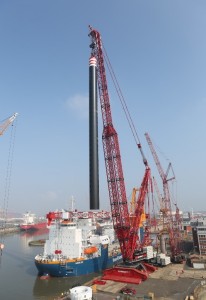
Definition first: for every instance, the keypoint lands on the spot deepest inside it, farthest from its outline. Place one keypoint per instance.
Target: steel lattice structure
(172, 224)
(126, 231)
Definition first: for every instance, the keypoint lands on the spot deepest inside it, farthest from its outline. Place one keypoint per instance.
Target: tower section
(93, 135)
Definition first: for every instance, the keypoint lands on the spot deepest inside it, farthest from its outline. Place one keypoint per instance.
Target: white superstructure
(76, 238)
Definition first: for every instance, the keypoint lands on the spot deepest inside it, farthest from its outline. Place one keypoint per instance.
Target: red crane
(126, 231)
(144, 191)
(173, 224)
(114, 171)
(163, 175)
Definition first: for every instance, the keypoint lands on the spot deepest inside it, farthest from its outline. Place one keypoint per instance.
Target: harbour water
(18, 274)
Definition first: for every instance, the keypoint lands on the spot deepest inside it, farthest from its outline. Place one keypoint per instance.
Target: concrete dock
(173, 282)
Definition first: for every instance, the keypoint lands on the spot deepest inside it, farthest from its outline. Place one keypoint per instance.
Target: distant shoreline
(4, 231)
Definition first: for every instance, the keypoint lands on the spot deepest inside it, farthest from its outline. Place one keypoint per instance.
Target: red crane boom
(138, 212)
(163, 175)
(114, 171)
(126, 231)
(173, 224)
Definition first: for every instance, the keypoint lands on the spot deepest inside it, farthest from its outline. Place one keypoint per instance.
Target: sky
(157, 51)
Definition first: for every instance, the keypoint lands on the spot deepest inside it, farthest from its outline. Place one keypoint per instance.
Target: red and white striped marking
(92, 61)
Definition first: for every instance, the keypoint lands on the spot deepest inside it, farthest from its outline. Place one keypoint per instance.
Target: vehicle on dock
(128, 291)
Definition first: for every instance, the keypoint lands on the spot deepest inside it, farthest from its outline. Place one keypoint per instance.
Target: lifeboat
(65, 222)
(90, 250)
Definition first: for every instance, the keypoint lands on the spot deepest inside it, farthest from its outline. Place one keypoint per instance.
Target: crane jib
(125, 230)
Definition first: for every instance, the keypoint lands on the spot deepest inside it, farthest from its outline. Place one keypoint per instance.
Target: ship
(78, 244)
(31, 222)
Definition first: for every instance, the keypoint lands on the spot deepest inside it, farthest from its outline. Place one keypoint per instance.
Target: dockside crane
(126, 231)
(3, 127)
(172, 224)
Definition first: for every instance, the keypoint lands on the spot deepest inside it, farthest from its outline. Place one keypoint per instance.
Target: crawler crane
(126, 231)
(173, 224)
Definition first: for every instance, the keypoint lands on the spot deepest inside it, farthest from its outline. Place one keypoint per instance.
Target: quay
(173, 282)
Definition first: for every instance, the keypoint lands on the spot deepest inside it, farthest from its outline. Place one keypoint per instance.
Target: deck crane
(126, 231)
(173, 230)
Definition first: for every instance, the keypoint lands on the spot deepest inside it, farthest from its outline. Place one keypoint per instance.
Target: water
(18, 274)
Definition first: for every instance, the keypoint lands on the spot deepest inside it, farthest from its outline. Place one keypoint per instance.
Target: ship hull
(33, 227)
(78, 268)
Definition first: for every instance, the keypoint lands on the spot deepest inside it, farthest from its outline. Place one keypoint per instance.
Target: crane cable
(131, 125)
(7, 184)
(124, 105)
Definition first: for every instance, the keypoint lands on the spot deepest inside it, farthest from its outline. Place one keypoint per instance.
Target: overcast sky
(158, 52)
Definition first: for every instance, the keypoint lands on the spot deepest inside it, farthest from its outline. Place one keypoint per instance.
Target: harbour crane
(126, 230)
(173, 224)
(3, 127)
